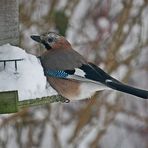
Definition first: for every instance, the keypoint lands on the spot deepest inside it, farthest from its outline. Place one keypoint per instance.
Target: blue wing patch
(56, 73)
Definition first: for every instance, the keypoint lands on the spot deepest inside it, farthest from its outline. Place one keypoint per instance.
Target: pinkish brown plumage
(61, 43)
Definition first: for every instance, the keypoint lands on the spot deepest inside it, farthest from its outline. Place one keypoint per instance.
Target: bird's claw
(64, 100)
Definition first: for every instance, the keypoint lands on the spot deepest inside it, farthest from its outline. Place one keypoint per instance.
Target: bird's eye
(50, 40)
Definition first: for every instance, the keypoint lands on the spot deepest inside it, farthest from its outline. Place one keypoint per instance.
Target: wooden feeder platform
(9, 101)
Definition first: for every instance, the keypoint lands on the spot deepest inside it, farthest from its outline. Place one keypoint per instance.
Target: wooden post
(9, 22)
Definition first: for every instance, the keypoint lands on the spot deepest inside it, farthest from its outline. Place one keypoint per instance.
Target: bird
(71, 75)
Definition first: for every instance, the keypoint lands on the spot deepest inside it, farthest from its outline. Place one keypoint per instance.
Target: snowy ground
(29, 79)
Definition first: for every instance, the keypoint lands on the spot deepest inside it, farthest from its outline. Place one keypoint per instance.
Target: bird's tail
(127, 89)
(111, 82)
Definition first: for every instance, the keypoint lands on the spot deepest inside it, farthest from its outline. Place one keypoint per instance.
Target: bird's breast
(73, 89)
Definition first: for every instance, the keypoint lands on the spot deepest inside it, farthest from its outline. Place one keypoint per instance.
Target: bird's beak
(36, 38)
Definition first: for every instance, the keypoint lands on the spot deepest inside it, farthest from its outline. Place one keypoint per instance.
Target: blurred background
(110, 33)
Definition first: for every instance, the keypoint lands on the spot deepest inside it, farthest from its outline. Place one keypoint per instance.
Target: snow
(29, 79)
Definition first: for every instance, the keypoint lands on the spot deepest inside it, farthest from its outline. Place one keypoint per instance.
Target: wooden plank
(8, 102)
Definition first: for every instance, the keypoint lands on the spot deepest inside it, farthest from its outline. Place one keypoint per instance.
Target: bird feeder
(9, 100)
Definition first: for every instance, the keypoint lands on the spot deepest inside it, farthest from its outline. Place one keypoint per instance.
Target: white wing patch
(79, 72)
(108, 80)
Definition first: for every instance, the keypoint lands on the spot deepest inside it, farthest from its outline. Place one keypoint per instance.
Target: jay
(71, 75)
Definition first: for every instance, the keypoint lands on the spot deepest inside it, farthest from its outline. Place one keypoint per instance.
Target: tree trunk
(9, 22)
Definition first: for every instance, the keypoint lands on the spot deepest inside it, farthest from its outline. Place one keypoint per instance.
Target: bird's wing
(62, 60)
(70, 64)
(86, 72)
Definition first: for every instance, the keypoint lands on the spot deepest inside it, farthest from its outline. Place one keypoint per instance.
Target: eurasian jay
(71, 75)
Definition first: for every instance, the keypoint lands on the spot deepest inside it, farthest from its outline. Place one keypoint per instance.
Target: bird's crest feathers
(52, 40)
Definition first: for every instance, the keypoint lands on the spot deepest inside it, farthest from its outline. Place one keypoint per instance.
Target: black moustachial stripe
(47, 46)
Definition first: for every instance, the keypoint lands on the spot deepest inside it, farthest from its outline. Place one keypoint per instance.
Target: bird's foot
(63, 99)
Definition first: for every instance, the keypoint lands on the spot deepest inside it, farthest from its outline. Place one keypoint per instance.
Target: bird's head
(51, 40)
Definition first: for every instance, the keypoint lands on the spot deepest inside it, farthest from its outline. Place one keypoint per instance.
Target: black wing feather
(95, 73)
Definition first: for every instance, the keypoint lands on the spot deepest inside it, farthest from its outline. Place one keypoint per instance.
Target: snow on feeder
(22, 81)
